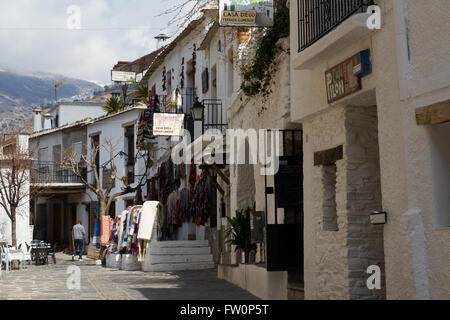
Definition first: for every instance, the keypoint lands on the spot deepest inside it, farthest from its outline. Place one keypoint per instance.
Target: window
(129, 202)
(95, 143)
(230, 73)
(169, 81)
(129, 150)
(329, 198)
(440, 159)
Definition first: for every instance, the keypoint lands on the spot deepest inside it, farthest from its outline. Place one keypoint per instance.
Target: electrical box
(361, 64)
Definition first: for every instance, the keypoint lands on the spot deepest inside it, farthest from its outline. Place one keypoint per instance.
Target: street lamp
(197, 110)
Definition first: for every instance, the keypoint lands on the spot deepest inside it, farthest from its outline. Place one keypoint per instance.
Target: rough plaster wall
(399, 276)
(326, 254)
(427, 84)
(365, 241)
(406, 161)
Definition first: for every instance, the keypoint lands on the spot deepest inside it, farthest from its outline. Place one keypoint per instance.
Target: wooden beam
(328, 157)
(128, 124)
(434, 114)
(93, 134)
(213, 180)
(221, 174)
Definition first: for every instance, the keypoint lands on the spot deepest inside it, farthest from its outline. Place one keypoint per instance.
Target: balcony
(46, 172)
(316, 18)
(187, 97)
(214, 116)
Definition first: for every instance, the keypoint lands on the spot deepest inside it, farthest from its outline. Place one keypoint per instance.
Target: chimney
(37, 119)
(47, 121)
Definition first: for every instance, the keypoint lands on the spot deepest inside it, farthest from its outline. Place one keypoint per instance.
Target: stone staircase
(178, 255)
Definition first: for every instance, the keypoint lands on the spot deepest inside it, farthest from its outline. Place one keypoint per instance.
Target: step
(178, 266)
(179, 250)
(172, 244)
(180, 258)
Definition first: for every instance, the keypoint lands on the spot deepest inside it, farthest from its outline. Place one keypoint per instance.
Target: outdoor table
(39, 254)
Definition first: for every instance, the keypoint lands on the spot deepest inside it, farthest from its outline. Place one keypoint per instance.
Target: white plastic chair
(9, 255)
(26, 249)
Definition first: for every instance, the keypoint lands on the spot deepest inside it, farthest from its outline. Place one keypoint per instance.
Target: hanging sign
(167, 124)
(341, 81)
(246, 13)
(123, 76)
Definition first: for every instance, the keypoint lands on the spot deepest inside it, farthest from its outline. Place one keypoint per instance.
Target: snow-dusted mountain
(20, 93)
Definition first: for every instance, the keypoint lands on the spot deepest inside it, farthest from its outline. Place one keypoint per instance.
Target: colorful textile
(105, 225)
(96, 237)
(145, 126)
(149, 215)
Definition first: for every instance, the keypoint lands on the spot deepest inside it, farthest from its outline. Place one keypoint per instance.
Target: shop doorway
(57, 215)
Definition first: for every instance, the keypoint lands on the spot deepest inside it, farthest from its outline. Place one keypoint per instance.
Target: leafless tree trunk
(15, 167)
(88, 164)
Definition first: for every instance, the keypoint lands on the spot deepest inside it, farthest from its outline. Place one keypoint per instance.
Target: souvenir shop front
(180, 207)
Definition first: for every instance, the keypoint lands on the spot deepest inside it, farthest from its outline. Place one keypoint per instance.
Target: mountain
(21, 93)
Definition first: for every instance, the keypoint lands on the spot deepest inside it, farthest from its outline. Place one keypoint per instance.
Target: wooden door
(57, 222)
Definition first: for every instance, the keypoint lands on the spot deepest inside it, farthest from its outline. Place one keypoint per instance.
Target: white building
(23, 228)
(65, 199)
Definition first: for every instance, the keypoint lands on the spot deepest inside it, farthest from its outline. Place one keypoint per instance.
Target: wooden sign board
(341, 81)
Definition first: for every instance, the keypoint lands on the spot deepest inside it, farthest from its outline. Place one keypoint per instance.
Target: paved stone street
(49, 282)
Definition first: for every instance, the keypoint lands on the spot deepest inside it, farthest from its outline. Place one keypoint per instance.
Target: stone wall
(339, 249)
(365, 241)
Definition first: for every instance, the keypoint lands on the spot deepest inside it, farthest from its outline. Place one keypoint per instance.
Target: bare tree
(182, 12)
(82, 164)
(15, 167)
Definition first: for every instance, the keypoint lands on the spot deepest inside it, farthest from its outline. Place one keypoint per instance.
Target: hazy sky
(34, 35)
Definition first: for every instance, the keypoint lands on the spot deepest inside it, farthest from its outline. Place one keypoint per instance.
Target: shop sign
(167, 124)
(123, 76)
(246, 13)
(341, 81)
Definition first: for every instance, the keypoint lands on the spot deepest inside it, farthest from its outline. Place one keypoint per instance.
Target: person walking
(78, 235)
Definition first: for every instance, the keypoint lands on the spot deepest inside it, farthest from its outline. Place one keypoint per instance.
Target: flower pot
(238, 257)
(246, 256)
(243, 35)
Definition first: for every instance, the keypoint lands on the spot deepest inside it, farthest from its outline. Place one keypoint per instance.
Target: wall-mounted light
(378, 217)
(197, 110)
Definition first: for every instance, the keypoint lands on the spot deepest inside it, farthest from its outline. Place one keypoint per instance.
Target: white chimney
(37, 119)
(47, 121)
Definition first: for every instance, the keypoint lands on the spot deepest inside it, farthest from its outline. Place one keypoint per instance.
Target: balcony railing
(214, 116)
(51, 172)
(316, 18)
(187, 97)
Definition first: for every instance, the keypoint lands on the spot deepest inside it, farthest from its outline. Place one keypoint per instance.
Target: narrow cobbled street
(49, 282)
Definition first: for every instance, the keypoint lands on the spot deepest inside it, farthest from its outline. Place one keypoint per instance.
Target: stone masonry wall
(326, 266)
(365, 241)
(337, 257)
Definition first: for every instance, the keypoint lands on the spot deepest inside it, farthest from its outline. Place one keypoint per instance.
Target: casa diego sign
(341, 81)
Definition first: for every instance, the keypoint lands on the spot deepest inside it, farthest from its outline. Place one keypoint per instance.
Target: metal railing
(316, 18)
(214, 116)
(51, 172)
(187, 97)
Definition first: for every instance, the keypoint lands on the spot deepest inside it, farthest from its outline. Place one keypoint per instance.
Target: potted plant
(239, 234)
(243, 34)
